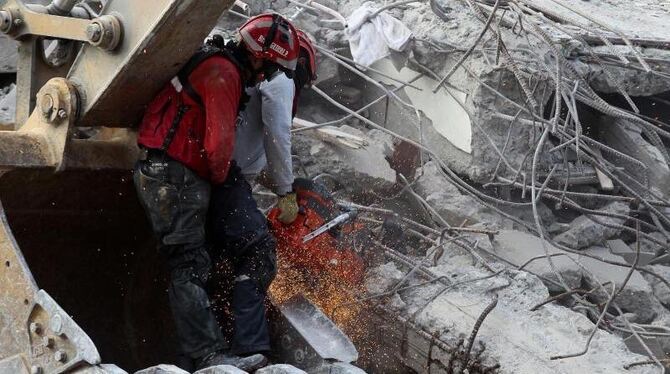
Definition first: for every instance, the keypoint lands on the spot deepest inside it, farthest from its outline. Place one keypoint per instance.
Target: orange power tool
(314, 241)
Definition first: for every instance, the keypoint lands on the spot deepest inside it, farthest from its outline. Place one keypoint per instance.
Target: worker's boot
(248, 364)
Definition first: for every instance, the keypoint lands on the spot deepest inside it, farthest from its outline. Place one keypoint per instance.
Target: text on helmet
(274, 46)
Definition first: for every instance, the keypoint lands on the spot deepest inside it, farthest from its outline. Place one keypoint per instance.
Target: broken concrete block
(660, 289)
(101, 369)
(637, 297)
(448, 201)
(633, 81)
(620, 248)
(163, 369)
(359, 171)
(338, 368)
(663, 322)
(627, 138)
(448, 118)
(518, 248)
(431, 181)
(383, 278)
(584, 232)
(396, 303)
(280, 369)
(516, 338)
(652, 247)
(558, 228)
(221, 369)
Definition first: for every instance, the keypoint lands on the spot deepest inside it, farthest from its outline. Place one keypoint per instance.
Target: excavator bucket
(90, 254)
(80, 279)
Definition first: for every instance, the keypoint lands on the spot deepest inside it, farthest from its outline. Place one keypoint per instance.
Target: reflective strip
(291, 65)
(251, 42)
(242, 278)
(176, 83)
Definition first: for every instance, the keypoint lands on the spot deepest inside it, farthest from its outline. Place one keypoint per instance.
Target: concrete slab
(661, 291)
(628, 139)
(359, 171)
(585, 231)
(518, 339)
(448, 116)
(641, 18)
(637, 297)
(628, 253)
(519, 248)
(448, 201)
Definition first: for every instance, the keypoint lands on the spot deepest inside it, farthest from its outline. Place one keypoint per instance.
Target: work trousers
(242, 244)
(176, 201)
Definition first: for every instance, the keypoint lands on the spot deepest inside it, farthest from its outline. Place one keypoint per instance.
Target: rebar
(475, 329)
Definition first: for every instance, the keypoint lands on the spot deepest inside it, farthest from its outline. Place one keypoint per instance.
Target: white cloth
(373, 39)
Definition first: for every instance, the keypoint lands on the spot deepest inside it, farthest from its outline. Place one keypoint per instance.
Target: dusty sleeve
(276, 107)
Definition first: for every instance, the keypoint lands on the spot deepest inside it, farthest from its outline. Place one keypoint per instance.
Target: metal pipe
(61, 7)
(76, 12)
(311, 4)
(244, 7)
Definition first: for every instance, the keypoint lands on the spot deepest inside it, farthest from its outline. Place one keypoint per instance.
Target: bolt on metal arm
(18, 21)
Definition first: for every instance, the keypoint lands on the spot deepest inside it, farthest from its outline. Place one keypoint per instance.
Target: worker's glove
(288, 208)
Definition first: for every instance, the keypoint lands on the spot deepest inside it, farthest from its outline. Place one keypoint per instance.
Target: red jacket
(205, 139)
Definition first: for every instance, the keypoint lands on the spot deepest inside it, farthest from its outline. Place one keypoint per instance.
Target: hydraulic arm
(79, 65)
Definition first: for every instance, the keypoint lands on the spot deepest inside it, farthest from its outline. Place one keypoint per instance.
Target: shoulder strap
(182, 77)
(201, 55)
(244, 98)
(172, 131)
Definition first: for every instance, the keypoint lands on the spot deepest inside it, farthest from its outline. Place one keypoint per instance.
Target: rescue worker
(188, 135)
(238, 226)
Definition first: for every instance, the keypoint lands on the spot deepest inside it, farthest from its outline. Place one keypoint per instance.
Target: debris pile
(528, 144)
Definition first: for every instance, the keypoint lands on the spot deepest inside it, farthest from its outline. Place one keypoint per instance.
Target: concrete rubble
(365, 170)
(637, 297)
(163, 369)
(280, 369)
(222, 369)
(628, 139)
(225, 369)
(661, 290)
(585, 231)
(521, 249)
(102, 369)
(452, 205)
(519, 340)
(339, 368)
